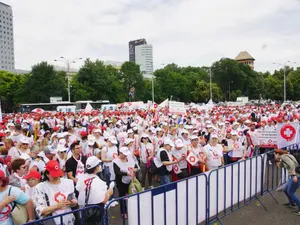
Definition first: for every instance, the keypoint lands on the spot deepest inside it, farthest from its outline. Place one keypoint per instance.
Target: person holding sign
(235, 147)
(214, 152)
(196, 157)
(164, 163)
(180, 152)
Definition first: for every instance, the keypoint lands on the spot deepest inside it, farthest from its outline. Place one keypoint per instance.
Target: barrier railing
(59, 219)
(204, 198)
(208, 197)
(181, 202)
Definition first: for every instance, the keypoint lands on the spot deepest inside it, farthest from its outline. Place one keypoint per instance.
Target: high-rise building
(144, 58)
(132, 45)
(7, 59)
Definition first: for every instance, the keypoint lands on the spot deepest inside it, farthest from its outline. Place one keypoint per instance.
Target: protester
(124, 170)
(55, 195)
(289, 162)
(10, 195)
(19, 169)
(92, 190)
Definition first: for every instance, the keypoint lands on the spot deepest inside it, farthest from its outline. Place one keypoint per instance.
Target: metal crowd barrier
(60, 216)
(204, 198)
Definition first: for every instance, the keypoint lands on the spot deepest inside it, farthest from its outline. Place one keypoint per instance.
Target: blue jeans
(164, 179)
(290, 191)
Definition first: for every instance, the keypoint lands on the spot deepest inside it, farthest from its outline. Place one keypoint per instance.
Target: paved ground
(255, 214)
(251, 214)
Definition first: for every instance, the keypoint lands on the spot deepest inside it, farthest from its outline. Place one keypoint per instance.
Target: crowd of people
(52, 163)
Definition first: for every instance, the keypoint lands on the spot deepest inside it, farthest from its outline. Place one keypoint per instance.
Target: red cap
(2, 134)
(2, 174)
(83, 133)
(55, 128)
(53, 168)
(33, 174)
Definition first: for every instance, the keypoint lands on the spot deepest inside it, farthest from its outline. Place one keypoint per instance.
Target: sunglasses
(24, 143)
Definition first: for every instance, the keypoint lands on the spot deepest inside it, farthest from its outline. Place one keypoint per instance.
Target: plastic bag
(134, 186)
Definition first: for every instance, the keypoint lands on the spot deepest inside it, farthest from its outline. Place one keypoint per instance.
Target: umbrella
(37, 110)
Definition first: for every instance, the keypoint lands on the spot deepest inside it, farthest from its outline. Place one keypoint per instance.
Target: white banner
(177, 107)
(288, 136)
(267, 138)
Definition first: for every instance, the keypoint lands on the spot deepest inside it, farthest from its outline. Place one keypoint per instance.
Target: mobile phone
(70, 197)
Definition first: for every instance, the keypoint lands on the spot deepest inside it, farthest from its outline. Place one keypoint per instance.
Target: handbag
(18, 212)
(91, 214)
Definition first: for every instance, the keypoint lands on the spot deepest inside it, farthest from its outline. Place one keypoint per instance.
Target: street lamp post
(229, 94)
(210, 85)
(284, 77)
(68, 67)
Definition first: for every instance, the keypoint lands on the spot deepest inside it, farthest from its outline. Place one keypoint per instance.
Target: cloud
(186, 32)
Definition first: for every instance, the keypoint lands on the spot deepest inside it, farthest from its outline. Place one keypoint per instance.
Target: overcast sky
(186, 32)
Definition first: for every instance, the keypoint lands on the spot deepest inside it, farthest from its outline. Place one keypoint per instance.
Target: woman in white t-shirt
(96, 189)
(124, 170)
(214, 153)
(55, 195)
(109, 153)
(146, 154)
(21, 148)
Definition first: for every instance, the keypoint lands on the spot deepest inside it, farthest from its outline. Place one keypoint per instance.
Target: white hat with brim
(125, 151)
(92, 162)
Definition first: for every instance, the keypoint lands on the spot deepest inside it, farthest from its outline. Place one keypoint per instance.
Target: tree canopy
(97, 81)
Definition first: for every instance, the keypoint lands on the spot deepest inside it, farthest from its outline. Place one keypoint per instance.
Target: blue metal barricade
(206, 197)
(233, 186)
(181, 202)
(61, 216)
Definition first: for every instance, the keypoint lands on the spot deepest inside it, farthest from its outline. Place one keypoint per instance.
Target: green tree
(201, 93)
(41, 84)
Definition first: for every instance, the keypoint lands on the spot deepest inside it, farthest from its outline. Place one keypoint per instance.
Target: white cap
(168, 141)
(247, 121)
(208, 126)
(53, 135)
(184, 132)
(179, 143)
(97, 131)
(135, 128)
(133, 124)
(214, 136)
(61, 148)
(234, 132)
(24, 140)
(235, 124)
(194, 137)
(91, 141)
(96, 151)
(128, 141)
(10, 125)
(130, 131)
(92, 162)
(113, 140)
(60, 135)
(159, 129)
(144, 135)
(125, 151)
(7, 131)
(62, 142)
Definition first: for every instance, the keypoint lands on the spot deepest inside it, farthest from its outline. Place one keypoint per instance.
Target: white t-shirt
(97, 191)
(145, 150)
(55, 193)
(17, 153)
(214, 155)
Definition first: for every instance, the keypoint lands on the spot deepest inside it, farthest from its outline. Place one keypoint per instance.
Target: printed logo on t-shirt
(6, 210)
(59, 196)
